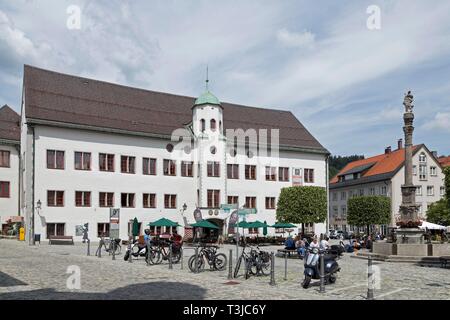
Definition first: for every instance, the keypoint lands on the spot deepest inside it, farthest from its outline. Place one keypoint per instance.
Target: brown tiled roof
(9, 124)
(57, 97)
(444, 161)
(384, 165)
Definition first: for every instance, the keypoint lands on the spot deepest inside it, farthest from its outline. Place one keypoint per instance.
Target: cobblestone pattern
(39, 272)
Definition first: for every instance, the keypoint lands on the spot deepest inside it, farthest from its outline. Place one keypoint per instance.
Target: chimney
(400, 144)
(388, 150)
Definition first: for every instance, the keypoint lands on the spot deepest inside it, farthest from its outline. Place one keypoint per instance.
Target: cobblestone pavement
(40, 272)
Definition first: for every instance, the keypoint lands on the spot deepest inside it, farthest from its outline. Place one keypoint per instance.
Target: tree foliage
(368, 210)
(337, 163)
(439, 213)
(446, 171)
(302, 204)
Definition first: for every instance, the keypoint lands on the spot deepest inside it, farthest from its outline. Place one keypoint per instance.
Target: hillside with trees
(337, 163)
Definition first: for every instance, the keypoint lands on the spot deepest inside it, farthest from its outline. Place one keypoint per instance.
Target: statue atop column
(408, 102)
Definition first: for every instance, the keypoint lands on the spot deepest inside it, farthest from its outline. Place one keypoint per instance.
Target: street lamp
(38, 208)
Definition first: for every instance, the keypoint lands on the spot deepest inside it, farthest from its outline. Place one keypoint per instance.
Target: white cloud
(440, 122)
(292, 39)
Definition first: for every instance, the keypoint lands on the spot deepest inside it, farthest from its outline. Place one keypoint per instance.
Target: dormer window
(202, 125)
(212, 125)
(422, 157)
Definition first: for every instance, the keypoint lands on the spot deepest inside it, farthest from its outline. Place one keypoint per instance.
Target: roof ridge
(146, 90)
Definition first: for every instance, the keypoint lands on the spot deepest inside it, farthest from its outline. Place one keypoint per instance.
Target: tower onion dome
(207, 98)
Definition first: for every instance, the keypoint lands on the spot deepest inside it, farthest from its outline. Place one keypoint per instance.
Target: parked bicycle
(108, 245)
(160, 251)
(256, 262)
(208, 254)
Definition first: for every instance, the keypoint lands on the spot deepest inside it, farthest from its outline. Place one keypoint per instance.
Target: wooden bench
(444, 261)
(287, 252)
(57, 239)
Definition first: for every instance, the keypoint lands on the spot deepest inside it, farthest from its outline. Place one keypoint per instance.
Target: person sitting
(301, 247)
(324, 244)
(289, 244)
(314, 243)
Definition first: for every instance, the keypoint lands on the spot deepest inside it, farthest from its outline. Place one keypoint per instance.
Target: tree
(337, 163)
(446, 172)
(439, 212)
(302, 204)
(369, 210)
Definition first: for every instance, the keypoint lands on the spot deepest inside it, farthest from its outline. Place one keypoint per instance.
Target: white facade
(70, 180)
(433, 179)
(9, 206)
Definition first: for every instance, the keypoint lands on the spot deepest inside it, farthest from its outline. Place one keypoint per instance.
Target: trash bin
(22, 234)
(37, 238)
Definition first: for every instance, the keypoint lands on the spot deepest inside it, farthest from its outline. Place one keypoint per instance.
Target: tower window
(202, 125)
(213, 125)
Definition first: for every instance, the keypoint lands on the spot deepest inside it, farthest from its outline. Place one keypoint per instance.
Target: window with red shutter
(4, 159)
(4, 189)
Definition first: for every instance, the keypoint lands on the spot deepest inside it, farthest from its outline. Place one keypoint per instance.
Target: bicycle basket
(265, 256)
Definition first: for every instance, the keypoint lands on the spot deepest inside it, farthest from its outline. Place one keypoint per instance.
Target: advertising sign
(297, 177)
(79, 230)
(114, 218)
(232, 222)
(198, 215)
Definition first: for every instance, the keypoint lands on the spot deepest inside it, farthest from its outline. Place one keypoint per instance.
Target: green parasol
(163, 222)
(204, 224)
(135, 228)
(283, 225)
(265, 228)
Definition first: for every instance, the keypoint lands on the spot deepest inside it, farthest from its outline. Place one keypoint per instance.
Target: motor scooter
(312, 266)
(137, 250)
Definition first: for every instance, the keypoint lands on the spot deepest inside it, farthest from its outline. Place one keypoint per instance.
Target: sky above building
(343, 80)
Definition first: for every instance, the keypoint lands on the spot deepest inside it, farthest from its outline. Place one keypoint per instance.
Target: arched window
(213, 125)
(202, 125)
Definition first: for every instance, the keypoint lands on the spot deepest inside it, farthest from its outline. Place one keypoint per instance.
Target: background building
(9, 163)
(383, 175)
(89, 146)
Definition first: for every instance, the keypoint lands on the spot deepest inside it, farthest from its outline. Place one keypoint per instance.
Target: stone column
(409, 232)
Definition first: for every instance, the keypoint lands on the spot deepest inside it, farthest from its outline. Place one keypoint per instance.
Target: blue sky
(317, 59)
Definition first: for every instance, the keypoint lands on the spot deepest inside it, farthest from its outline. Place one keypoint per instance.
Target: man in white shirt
(324, 244)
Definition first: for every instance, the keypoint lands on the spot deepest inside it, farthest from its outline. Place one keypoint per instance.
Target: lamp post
(38, 208)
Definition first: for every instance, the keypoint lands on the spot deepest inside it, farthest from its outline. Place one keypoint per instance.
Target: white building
(89, 146)
(9, 163)
(384, 175)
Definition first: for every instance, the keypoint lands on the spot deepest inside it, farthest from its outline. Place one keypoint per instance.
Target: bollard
(130, 258)
(322, 273)
(272, 269)
(88, 247)
(147, 254)
(285, 265)
(230, 265)
(99, 250)
(196, 260)
(181, 259)
(170, 256)
(113, 248)
(369, 279)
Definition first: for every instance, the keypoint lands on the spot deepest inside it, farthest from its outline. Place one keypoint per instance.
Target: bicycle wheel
(200, 263)
(264, 263)
(238, 265)
(155, 256)
(220, 261)
(248, 266)
(118, 249)
(176, 256)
